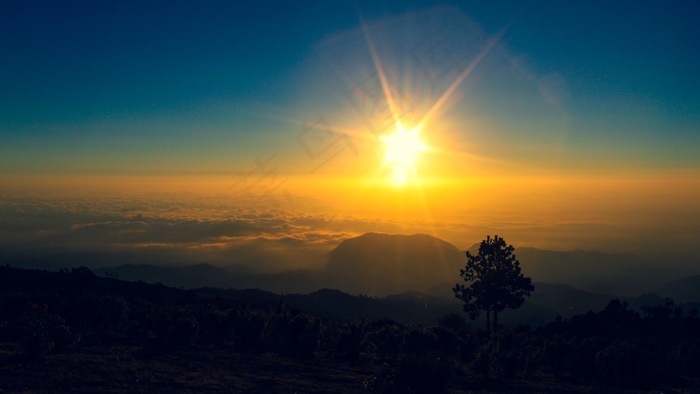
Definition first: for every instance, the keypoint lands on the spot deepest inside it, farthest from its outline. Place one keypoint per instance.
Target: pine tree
(493, 281)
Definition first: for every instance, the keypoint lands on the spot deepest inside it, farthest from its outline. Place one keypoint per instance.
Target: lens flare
(402, 150)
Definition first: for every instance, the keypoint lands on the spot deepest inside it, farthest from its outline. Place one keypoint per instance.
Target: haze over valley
(157, 239)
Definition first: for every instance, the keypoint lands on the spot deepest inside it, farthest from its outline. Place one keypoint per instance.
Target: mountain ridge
(391, 263)
(381, 264)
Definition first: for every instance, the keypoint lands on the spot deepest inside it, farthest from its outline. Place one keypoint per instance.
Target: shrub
(418, 340)
(631, 363)
(447, 341)
(41, 332)
(387, 341)
(185, 331)
(350, 341)
(247, 329)
(303, 336)
(507, 354)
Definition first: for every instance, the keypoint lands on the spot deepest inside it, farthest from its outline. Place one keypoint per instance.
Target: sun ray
(440, 102)
(380, 71)
(403, 146)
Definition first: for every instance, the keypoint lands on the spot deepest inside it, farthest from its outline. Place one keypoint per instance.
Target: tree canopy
(493, 281)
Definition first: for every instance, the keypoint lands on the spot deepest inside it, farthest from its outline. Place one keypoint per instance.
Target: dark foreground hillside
(121, 367)
(74, 332)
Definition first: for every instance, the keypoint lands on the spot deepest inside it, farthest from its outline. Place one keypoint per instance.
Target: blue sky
(81, 79)
(78, 60)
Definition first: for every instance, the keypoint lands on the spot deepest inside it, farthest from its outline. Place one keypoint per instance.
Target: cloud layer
(232, 232)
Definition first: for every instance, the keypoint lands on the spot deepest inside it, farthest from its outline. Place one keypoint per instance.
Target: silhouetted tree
(493, 281)
(82, 277)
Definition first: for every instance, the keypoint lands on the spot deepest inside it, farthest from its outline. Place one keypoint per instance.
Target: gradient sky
(573, 113)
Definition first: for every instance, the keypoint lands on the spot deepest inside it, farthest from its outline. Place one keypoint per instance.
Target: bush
(419, 340)
(213, 327)
(350, 341)
(631, 363)
(247, 329)
(507, 354)
(387, 341)
(447, 341)
(41, 332)
(291, 333)
(185, 331)
(303, 336)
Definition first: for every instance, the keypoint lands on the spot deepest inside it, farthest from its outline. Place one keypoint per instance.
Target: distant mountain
(598, 272)
(682, 290)
(380, 264)
(298, 281)
(206, 275)
(547, 302)
(189, 276)
(565, 301)
(15, 281)
(372, 264)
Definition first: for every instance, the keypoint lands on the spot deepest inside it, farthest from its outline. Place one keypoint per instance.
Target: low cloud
(256, 240)
(106, 232)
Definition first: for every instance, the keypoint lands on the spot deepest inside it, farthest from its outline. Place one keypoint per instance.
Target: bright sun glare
(402, 149)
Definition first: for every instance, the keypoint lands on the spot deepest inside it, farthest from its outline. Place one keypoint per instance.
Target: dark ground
(126, 366)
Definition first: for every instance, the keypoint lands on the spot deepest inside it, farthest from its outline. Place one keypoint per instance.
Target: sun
(402, 149)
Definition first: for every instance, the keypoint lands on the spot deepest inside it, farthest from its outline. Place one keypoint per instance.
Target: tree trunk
(488, 320)
(495, 320)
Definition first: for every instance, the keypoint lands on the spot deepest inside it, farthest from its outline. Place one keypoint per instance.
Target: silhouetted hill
(56, 328)
(189, 276)
(206, 275)
(409, 308)
(547, 302)
(298, 281)
(379, 264)
(598, 272)
(336, 304)
(566, 301)
(682, 290)
(620, 274)
(39, 282)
